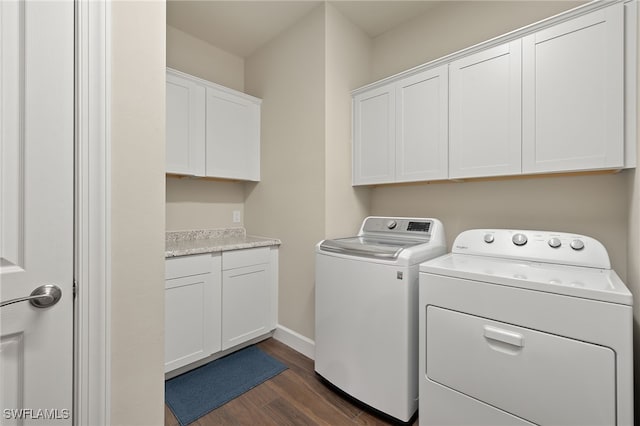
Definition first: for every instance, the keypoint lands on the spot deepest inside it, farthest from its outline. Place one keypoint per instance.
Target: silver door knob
(42, 297)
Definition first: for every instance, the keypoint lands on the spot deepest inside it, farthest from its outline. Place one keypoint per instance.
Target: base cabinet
(215, 302)
(246, 295)
(192, 309)
(244, 312)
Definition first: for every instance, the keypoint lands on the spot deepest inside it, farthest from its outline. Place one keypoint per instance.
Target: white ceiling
(241, 27)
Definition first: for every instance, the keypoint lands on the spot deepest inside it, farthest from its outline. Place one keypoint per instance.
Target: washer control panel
(401, 226)
(540, 246)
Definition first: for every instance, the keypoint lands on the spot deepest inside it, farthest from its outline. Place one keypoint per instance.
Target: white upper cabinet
(400, 130)
(485, 108)
(212, 130)
(422, 126)
(185, 126)
(556, 96)
(374, 136)
(573, 94)
(233, 136)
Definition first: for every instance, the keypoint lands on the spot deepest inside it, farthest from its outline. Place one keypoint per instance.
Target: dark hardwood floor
(294, 397)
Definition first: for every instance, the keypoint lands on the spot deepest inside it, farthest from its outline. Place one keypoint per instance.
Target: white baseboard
(296, 341)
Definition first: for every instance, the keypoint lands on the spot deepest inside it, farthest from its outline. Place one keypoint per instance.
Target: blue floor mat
(197, 392)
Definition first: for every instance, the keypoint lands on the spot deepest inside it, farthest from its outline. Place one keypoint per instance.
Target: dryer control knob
(488, 238)
(577, 244)
(519, 239)
(392, 224)
(555, 242)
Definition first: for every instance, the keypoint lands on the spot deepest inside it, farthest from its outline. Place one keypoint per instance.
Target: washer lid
(575, 281)
(379, 248)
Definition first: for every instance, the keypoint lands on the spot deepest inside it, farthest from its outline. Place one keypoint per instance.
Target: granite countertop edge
(184, 243)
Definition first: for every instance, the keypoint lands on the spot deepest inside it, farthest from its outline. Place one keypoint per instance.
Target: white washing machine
(524, 327)
(366, 331)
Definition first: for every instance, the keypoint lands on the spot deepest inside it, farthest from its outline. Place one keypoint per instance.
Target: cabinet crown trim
(216, 86)
(496, 41)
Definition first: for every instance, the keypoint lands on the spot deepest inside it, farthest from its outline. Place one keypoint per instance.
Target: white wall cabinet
(573, 94)
(400, 130)
(557, 96)
(212, 130)
(422, 126)
(215, 302)
(374, 136)
(185, 126)
(233, 135)
(192, 309)
(248, 297)
(486, 123)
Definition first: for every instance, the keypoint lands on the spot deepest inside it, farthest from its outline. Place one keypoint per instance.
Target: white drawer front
(185, 266)
(540, 377)
(247, 257)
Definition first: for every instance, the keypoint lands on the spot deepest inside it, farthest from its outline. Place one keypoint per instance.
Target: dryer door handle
(505, 336)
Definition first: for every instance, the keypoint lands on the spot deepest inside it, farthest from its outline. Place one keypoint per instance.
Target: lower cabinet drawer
(240, 258)
(541, 377)
(183, 266)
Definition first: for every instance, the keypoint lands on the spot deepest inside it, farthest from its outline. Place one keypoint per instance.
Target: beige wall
(196, 57)
(289, 75)
(137, 216)
(203, 203)
(591, 205)
(347, 62)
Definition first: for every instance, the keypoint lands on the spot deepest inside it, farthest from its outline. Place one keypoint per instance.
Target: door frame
(92, 242)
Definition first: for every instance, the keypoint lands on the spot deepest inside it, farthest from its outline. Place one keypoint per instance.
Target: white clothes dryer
(524, 327)
(366, 335)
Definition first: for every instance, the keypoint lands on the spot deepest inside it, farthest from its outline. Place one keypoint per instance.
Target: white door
(185, 126)
(36, 207)
(374, 136)
(245, 304)
(485, 113)
(422, 126)
(232, 136)
(573, 94)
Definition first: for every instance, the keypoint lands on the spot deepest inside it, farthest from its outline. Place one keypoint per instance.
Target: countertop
(182, 243)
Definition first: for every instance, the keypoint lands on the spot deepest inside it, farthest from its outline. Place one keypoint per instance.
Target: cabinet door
(193, 318)
(246, 305)
(233, 136)
(573, 76)
(485, 113)
(185, 126)
(374, 136)
(422, 126)
(192, 331)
